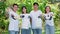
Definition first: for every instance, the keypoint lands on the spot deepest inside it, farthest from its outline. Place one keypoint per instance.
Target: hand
(51, 14)
(8, 9)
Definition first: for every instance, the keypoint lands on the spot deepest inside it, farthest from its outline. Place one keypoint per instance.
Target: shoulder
(51, 12)
(28, 14)
(32, 11)
(39, 11)
(21, 14)
(11, 12)
(45, 14)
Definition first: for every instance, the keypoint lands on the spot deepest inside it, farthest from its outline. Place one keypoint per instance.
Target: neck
(47, 12)
(14, 11)
(24, 12)
(35, 10)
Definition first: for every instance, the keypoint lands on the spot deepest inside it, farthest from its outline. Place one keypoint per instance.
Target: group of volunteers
(32, 21)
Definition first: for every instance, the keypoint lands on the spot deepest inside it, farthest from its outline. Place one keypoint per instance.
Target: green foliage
(2, 14)
(29, 5)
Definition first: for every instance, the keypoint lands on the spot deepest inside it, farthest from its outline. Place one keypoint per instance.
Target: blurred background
(54, 4)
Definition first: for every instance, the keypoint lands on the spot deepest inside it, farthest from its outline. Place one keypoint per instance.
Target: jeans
(13, 32)
(26, 31)
(49, 29)
(37, 31)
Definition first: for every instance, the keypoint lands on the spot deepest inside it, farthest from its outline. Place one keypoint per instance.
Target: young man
(13, 22)
(36, 19)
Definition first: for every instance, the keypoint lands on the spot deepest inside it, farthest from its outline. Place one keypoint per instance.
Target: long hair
(25, 8)
(49, 8)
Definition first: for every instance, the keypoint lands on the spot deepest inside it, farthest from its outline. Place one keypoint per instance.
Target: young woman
(49, 20)
(25, 27)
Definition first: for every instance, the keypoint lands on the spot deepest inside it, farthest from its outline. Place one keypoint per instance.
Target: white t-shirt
(48, 20)
(25, 21)
(13, 24)
(36, 21)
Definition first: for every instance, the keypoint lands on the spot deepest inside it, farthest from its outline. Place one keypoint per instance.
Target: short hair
(14, 5)
(35, 3)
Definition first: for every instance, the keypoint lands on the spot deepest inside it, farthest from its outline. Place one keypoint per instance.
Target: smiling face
(47, 9)
(24, 9)
(15, 8)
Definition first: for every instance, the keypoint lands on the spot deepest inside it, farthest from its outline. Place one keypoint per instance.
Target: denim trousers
(25, 31)
(37, 31)
(49, 29)
(13, 32)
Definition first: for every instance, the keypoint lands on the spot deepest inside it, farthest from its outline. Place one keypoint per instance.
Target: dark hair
(35, 3)
(14, 5)
(49, 8)
(25, 8)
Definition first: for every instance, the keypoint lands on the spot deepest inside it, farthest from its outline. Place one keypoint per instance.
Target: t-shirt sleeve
(40, 12)
(10, 11)
(51, 12)
(31, 14)
(44, 16)
(20, 15)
